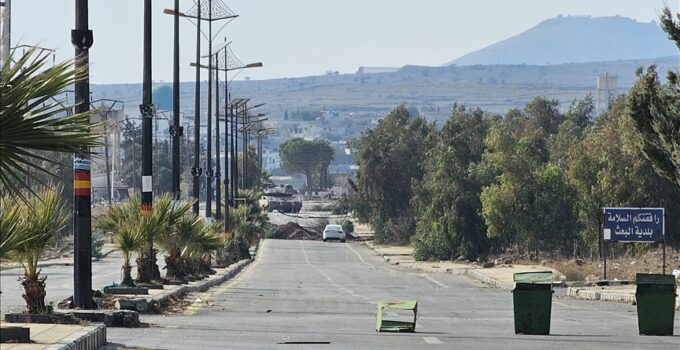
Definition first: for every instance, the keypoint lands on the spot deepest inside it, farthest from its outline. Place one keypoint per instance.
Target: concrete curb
(89, 338)
(586, 294)
(475, 274)
(150, 304)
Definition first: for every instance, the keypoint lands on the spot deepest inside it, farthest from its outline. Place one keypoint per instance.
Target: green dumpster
(532, 302)
(655, 295)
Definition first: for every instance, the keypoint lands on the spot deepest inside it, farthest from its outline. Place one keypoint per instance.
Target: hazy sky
(304, 37)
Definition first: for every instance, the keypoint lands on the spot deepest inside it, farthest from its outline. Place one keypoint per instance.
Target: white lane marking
(330, 280)
(434, 280)
(432, 340)
(358, 255)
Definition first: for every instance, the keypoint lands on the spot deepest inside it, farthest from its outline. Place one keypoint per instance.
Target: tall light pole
(217, 11)
(5, 30)
(176, 130)
(147, 111)
(82, 39)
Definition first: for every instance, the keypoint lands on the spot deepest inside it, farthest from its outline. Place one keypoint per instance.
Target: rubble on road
(293, 230)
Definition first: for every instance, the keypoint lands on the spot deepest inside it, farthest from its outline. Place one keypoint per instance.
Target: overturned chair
(383, 325)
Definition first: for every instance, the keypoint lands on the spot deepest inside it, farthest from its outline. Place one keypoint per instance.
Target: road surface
(314, 295)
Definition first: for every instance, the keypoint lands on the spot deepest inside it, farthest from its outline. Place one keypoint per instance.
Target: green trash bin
(532, 301)
(655, 295)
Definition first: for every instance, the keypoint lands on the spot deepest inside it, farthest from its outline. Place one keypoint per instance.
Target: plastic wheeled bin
(655, 296)
(532, 302)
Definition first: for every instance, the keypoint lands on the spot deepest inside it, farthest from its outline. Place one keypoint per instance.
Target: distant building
(607, 89)
(375, 70)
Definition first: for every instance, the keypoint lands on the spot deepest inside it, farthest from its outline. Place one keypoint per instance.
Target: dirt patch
(624, 268)
(292, 230)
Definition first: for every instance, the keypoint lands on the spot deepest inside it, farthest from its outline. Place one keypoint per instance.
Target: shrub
(348, 226)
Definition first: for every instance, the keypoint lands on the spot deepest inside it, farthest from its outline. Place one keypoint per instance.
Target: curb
(149, 304)
(475, 274)
(89, 338)
(577, 293)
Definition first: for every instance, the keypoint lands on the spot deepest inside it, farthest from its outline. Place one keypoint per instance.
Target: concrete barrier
(89, 338)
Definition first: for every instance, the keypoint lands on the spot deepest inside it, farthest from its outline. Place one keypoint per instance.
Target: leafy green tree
(33, 119)
(311, 158)
(655, 109)
(527, 187)
(390, 158)
(447, 201)
(257, 175)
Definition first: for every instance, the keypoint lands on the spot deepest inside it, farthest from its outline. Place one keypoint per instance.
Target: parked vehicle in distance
(333, 232)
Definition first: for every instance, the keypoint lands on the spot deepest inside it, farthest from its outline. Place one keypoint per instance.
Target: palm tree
(33, 119)
(128, 238)
(204, 242)
(177, 236)
(10, 224)
(124, 221)
(164, 217)
(44, 217)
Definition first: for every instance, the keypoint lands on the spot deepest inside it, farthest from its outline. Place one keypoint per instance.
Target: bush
(272, 233)
(434, 244)
(348, 226)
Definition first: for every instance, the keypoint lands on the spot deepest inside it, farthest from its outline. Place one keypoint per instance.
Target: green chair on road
(532, 301)
(382, 325)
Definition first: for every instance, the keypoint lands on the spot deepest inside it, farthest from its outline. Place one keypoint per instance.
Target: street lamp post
(82, 39)
(217, 11)
(176, 131)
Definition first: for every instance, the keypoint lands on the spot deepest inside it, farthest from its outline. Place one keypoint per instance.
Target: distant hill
(432, 90)
(576, 39)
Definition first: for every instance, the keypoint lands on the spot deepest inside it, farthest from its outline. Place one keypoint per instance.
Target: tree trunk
(174, 266)
(147, 269)
(127, 276)
(34, 294)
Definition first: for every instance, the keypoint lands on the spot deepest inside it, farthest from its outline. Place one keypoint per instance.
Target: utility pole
(218, 192)
(5, 30)
(176, 131)
(82, 39)
(147, 111)
(196, 170)
(209, 171)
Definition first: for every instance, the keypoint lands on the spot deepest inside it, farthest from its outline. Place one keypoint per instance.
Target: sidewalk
(59, 337)
(500, 276)
(625, 294)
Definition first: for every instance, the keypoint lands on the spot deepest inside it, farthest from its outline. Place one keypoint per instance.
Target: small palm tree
(128, 238)
(33, 119)
(166, 214)
(11, 221)
(124, 221)
(204, 242)
(179, 233)
(44, 218)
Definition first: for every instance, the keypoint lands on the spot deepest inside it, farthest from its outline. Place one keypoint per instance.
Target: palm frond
(33, 120)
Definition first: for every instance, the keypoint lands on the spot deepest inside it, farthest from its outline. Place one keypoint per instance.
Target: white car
(333, 232)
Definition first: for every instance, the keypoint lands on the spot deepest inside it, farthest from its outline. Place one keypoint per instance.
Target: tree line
(533, 180)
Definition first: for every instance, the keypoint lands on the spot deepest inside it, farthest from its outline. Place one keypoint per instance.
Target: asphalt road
(314, 295)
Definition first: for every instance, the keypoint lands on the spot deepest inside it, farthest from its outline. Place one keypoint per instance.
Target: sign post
(641, 225)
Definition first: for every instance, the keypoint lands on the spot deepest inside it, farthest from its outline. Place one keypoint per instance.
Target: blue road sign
(634, 224)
